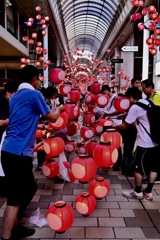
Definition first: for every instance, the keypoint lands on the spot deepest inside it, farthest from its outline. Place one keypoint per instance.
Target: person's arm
(52, 116)
(122, 126)
(4, 123)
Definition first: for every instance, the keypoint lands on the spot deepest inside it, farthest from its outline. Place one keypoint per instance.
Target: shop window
(2, 12)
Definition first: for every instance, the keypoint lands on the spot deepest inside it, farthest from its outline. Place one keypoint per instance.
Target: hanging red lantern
(89, 97)
(70, 146)
(38, 17)
(71, 128)
(111, 135)
(144, 11)
(38, 8)
(84, 168)
(85, 203)
(54, 146)
(149, 41)
(105, 155)
(97, 128)
(141, 26)
(64, 88)
(90, 147)
(101, 100)
(74, 95)
(30, 41)
(133, 17)
(104, 122)
(57, 75)
(151, 9)
(72, 110)
(50, 168)
(86, 132)
(153, 51)
(95, 87)
(88, 118)
(99, 187)
(40, 133)
(60, 216)
(61, 121)
(92, 108)
(157, 42)
(81, 148)
(121, 103)
(34, 35)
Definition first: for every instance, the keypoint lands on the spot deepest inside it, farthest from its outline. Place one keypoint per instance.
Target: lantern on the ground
(81, 148)
(97, 128)
(111, 135)
(101, 100)
(84, 168)
(71, 128)
(64, 88)
(57, 75)
(61, 121)
(74, 95)
(90, 147)
(40, 133)
(95, 87)
(86, 132)
(50, 168)
(105, 155)
(89, 97)
(72, 110)
(121, 103)
(88, 118)
(85, 203)
(70, 146)
(60, 216)
(99, 187)
(54, 146)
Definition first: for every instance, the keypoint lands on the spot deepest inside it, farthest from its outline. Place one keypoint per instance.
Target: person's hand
(61, 108)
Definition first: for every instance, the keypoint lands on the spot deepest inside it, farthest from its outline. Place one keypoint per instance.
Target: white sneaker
(133, 194)
(148, 196)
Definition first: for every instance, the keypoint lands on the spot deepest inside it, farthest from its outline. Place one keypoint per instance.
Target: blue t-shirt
(25, 106)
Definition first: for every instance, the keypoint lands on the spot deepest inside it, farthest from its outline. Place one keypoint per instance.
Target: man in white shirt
(146, 159)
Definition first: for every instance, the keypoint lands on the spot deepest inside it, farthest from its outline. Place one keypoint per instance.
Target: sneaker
(133, 194)
(157, 180)
(20, 231)
(148, 196)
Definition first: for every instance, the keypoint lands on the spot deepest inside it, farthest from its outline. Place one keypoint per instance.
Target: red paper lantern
(85, 203)
(72, 110)
(88, 118)
(105, 155)
(97, 128)
(40, 133)
(50, 168)
(111, 135)
(133, 17)
(54, 146)
(102, 100)
(61, 121)
(95, 87)
(86, 132)
(104, 122)
(74, 95)
(92, 108)
(71, 128)
(60, 216)
(99, 187)
(149, 41)
(89, 97)
(64, 88)
(81, 148)
(83, 168)
(70, 146)
(153, 51)
(57, 75)
(121, 103)
(90, 147)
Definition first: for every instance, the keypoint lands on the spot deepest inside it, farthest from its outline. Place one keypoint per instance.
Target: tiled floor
(115, 217)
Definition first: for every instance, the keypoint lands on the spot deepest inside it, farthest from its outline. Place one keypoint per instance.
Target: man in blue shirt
(25, 106)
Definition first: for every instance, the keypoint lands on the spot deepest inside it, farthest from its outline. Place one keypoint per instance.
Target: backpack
(153, 112)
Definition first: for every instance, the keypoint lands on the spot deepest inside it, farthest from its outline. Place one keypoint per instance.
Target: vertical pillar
(45, 46)
(145, 63)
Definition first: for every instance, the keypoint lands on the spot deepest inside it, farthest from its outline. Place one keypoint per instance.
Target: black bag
(153, 112)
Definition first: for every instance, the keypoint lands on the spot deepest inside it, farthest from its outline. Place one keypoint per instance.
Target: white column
(45, 46)
(145, 63)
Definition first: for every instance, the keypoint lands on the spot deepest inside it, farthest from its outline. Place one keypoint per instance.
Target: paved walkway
(115, 217)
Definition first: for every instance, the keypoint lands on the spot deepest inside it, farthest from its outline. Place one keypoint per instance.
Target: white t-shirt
(138, 113)
(109, 108)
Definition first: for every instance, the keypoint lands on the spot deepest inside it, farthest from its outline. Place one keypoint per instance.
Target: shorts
(20, 184)
(146, 160)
